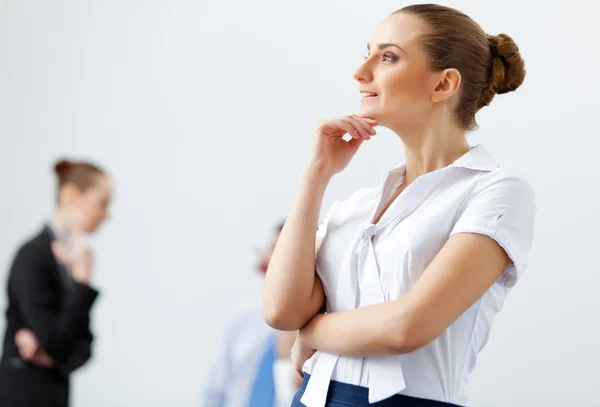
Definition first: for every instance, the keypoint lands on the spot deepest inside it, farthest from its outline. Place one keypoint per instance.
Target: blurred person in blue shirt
(253, 368)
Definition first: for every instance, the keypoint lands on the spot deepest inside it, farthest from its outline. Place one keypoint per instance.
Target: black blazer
(43, 297)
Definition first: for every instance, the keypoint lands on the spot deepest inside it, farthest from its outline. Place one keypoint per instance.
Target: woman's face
(395, 80)
(89, 208)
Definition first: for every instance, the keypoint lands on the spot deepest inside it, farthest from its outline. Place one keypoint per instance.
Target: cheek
(92, 214)
(99, 214)
(408, 85)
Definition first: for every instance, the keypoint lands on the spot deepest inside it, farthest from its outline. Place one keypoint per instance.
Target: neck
(431, 147)
(58, 220)
(61, 220)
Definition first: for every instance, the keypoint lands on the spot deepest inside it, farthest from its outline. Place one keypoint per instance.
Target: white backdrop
(203, 112)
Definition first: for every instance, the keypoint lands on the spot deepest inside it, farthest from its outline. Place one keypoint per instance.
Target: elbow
(406, 339)
(282, 319)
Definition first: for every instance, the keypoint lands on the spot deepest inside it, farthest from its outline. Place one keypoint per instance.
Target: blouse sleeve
(502, 207)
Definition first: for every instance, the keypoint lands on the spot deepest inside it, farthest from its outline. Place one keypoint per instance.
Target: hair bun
(61, 167)
(508, 68)
(506, 51)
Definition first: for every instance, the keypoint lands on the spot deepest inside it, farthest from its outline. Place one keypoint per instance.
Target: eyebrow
(387, 45)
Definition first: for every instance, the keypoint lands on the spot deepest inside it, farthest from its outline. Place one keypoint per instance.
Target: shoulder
(500, 203)
(31, 251)
(507, 175)
(506, 184)
(502, 207)
(37, 245)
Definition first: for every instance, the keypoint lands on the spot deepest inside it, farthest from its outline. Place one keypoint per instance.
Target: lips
(367, 94)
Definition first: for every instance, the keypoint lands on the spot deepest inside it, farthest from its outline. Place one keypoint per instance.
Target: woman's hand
(300, 353)
(29, 348)
(27, 343)
(331, 153)
(78, 260)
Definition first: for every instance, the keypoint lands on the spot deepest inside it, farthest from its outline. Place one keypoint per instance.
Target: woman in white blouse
(413, 271)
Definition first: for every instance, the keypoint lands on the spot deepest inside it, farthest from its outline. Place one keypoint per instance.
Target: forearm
(464, 269)
(56, 330)
(72, 321)
(389, 328)
(354, 333)
(291, 290)
(58, 333)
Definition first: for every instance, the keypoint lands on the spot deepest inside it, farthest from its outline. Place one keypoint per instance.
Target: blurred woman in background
(49, 294)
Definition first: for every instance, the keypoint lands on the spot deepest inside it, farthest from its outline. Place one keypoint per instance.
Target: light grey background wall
(203, 112)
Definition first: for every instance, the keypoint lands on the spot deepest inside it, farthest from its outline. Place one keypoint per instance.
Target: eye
(389, 57)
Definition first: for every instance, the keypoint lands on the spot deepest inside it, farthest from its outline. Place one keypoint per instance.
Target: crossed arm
(462, 272)
(53, 338)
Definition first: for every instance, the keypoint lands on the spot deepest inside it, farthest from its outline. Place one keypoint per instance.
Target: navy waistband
(358, 396)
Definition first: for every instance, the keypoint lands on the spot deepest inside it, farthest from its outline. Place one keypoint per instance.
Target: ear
(447, 86)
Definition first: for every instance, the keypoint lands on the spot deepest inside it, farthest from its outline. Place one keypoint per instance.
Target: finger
(349, 128)
(37, 361)
(360, 128)
(372, 122)
(364, 130)
(365, 125)
(43, 359)
(355, 143)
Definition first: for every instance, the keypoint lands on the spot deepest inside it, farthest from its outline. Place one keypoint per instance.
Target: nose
(364, 73)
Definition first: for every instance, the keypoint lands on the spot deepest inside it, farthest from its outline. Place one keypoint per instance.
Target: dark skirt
(25, 385)
(348, 395)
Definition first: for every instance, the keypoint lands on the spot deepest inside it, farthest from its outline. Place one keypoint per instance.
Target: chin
(91, 229)
(371, 113)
